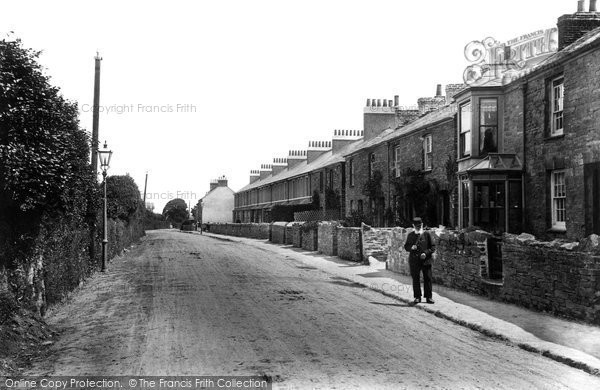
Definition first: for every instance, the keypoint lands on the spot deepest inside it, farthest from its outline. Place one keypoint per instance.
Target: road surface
(185, 304)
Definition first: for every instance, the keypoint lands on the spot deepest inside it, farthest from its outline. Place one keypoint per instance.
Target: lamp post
(104, 155)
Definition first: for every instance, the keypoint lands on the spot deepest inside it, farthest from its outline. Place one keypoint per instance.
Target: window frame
(371, 164)
(557, 82)
(464, 145)
(554, 209)
(427, 155)
(483, 125)
(351, 172)
(397, 161)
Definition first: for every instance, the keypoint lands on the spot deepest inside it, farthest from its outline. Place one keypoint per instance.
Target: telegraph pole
(95, 113)
(94, 149)
(145, 186)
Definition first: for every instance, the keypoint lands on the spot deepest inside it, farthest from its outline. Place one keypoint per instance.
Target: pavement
(573, 343)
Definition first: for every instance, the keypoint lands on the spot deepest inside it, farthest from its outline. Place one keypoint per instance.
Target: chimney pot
(438, 90)
(593, 7)
(385, 102)
(396, 100)
(378, 102)
(368, 102)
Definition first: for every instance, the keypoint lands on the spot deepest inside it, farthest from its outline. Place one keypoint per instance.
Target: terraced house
(515, 149)
(528, 154)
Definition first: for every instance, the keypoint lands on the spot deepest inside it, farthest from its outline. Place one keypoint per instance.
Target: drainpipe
(523, 197)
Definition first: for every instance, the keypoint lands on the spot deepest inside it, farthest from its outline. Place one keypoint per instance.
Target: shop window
(488, 126)
(465, 130)
(559, 199)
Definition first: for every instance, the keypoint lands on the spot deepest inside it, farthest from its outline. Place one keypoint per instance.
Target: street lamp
(104, 155)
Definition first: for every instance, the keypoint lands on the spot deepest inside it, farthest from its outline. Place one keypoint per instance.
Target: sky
(192, 90)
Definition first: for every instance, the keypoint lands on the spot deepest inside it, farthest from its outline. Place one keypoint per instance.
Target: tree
(175, 211)
(44, 155)
(123, 197)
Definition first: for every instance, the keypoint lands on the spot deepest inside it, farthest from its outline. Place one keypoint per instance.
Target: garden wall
(559, 277)
(349, 243)
(310, 236)
(328, 238)
(278, 230)
(376, 242)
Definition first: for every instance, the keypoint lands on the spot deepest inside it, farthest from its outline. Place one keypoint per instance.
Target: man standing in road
(420, 246)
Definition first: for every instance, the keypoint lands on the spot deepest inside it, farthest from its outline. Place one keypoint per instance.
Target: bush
(8, 306)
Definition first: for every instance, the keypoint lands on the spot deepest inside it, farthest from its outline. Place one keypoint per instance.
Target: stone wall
(462, 260)
(289, 234)
(553, 276)
(328, 244)
(310, 238)
(349, 243)
(260, 231)
(397, 259)
(297, 235)
(556, 276)
(376, 242)
(250, 230)
(278, 230)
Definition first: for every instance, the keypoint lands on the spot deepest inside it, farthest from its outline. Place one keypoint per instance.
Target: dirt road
(184, 304)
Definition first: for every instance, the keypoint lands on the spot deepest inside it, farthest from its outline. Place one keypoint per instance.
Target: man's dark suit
(424, 244)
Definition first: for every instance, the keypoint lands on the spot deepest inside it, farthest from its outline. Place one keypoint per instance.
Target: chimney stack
(213, 184)
(379, 116)
(342, 138)
(254, 175)
(265, 170)
(296, 157)
(222, 181)
(316, 149)
(279, 165)
(571, 27)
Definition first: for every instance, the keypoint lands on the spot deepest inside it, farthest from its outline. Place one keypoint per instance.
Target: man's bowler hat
(417, 221)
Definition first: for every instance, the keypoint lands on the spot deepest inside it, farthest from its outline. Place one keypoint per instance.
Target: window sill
(554, 137)
(556, 230)
(464, 158)
(492, 282)
(428, 170)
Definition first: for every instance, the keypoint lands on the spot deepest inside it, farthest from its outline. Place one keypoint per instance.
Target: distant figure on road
(420, 246)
